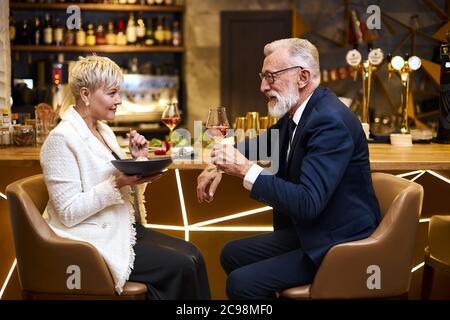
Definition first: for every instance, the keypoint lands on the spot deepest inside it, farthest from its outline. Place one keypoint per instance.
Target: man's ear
(85, 95)
(304, 77)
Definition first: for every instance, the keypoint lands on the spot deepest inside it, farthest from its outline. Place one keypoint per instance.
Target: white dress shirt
(255, 169)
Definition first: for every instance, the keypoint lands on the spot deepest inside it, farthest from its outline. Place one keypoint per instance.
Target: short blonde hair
(302, 53)
(94, 72)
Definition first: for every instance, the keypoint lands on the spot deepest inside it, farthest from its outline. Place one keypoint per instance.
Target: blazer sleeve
(327, 155)
(63, 180)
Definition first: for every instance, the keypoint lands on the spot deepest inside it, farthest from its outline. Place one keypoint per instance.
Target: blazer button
(104, 226)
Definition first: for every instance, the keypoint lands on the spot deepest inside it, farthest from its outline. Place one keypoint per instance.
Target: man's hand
(229, 160)
(207, 183)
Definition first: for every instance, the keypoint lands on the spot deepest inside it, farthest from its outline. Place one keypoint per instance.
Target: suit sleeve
(63, 180)
(328, 152)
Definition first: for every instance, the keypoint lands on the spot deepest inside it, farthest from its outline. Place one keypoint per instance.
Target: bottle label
(48, 36)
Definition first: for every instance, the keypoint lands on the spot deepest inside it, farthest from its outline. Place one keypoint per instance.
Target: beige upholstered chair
(437, 253)
(343, 273)
(43, 257)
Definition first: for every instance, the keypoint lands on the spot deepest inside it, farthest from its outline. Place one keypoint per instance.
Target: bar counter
(173, 208)
(383, 157)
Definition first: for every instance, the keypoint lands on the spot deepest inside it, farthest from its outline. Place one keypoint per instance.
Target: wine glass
(171, 117)
(217, 123)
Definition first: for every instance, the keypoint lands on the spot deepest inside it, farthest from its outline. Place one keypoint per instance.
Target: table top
(383, 157)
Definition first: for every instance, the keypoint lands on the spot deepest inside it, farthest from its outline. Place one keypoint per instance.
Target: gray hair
(94, 72)
(302, 52)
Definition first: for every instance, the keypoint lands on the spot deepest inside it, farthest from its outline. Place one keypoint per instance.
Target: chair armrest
(439, 238)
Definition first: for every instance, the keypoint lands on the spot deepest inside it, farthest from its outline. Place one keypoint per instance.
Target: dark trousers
(171, 267)
(259, 266)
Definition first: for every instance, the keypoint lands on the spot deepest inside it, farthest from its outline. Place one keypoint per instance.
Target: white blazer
(83, 202)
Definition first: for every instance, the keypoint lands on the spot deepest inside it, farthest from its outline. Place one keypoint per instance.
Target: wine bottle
(159, 33)
(149, 34)
(58, 33)
(110, 35)
(37, 31)
(167, 33)
(48, 30)
(140, 30)
(90, 35)
(80, 36)
(131, 30)
(121, 38)
(100, 38)
(176, 35)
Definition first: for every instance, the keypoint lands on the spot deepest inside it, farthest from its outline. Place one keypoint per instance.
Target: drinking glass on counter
(171, 117)
(239, 129)
(252, 124)
(263, 123)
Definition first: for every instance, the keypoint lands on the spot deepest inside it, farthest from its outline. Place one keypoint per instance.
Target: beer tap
(404, 67)
(366, 68)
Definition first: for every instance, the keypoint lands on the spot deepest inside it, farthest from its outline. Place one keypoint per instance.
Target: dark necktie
(291, 128)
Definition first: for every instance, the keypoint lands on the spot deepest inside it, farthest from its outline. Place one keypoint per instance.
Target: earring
(87, 103)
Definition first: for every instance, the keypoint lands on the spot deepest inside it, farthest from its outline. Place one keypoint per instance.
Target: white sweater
(83, 202)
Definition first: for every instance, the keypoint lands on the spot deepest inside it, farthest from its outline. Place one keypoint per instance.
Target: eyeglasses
(270, 76)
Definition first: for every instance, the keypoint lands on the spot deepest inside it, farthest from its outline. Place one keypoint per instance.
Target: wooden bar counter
(382, 157)
(173, 208)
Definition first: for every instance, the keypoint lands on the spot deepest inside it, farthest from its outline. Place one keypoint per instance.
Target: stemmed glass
(217, 123)
(171, 117)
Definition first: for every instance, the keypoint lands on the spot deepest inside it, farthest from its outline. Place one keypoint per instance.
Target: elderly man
(322, 193)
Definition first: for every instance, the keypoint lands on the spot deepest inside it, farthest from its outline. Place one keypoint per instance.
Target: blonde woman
(91, 201)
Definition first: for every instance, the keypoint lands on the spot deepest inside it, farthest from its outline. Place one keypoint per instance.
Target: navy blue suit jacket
(325, 188)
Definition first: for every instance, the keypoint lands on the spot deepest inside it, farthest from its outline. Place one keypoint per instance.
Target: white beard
(283, 103)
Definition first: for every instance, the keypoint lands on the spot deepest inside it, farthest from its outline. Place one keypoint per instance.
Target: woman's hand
(125, 180)
(137, 144)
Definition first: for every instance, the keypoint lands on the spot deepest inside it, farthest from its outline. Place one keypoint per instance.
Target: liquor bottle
(167, 33)
(149, 34)
(80, 36)
(69, 38)
(168, 2)
(140, 30)
(100, 38)
(90, 35)
(159, 33)
(12, 29)
(131, 1)
(121, 39)
(151, 2)
(176, 35)
(122, 1)
(48, 30)
(159, 2)
(131, 30)
(37, 32)
(23, 33)
(58, 33)
(110, 35)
